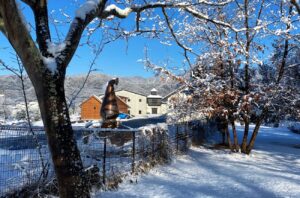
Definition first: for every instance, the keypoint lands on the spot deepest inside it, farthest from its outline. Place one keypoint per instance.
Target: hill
(10, 87)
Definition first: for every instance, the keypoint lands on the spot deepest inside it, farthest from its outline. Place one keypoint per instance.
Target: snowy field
(272, 170)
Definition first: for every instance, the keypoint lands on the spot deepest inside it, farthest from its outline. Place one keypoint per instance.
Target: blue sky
(119, 58)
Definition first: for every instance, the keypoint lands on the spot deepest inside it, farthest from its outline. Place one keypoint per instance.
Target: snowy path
(272, 170)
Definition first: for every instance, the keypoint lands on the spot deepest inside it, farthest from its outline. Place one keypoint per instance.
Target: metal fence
(108, 154)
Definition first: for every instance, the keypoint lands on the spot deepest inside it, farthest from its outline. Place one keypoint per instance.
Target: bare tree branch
(297, 6)
(286, 50)
(185, 49)
(206, 17)
(29, 2)
(75, 32)
(20, 38)
(40, 10)
(113, 10)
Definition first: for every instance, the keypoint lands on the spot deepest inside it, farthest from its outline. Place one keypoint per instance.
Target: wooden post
(104, 158)
(177, 138)
(133, 152)
(153, 146)
(186, 135)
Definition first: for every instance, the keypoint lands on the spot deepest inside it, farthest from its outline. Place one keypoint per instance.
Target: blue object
(123, 116)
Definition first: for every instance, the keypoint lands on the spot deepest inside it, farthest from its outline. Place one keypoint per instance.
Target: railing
(108, 154)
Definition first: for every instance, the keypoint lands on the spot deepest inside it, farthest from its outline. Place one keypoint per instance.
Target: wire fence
(108, 154)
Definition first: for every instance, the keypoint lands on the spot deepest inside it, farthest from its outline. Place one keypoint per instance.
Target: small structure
(109, 109)
(90, 108)
(154, 103)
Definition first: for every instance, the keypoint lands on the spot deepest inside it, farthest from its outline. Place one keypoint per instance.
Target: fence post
(177, 139)
(104, 158)
(186, 127)
(153, 134)
(133, 152)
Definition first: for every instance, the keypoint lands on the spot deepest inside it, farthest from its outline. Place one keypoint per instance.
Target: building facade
(132, 103)
(136, 101)
(90, 108)
(155, 104)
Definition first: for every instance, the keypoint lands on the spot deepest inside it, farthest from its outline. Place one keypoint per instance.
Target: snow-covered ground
(272, 170)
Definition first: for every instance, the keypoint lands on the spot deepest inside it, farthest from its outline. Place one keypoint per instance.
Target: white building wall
(137, 103)
(162, 109)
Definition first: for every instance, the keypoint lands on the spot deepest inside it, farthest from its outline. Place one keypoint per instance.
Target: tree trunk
(65, 154)
(226, 131)
(236, 143)
(255, 131)
(245, 137)
(223, 138)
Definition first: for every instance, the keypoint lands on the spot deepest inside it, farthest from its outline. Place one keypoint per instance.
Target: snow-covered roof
(153, 90)
(130, 92)
(154, 96)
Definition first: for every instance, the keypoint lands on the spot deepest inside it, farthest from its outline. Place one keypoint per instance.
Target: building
(90, 108)
(136, 101)
(141, 105)
(155, 104)
(132, 103)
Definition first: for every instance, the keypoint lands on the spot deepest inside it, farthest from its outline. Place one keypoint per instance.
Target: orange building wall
(90, 109)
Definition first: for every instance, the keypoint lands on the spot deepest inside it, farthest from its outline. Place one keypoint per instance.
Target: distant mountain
(10, 87)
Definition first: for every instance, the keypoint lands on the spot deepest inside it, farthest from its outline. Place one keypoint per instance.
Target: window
(140, 112)
(154, 101)
(154, 110)
(140, 100)
(128, 99)
(129, 112)
(94, 107)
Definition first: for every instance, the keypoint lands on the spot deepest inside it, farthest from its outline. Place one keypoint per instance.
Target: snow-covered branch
(113, 10)
(185, 49)
(84, 15)
(296, 4)
(214, 3)
(200, 15)
(40, 10)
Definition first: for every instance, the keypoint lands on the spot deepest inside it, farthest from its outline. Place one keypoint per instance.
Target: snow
(154, 96)
(153, 90)
(51, 64)
(86, 8)
(122, 12)
(56, 49)
(272, 170)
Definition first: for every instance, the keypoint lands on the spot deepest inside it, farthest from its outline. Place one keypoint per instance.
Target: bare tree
(46, 62)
